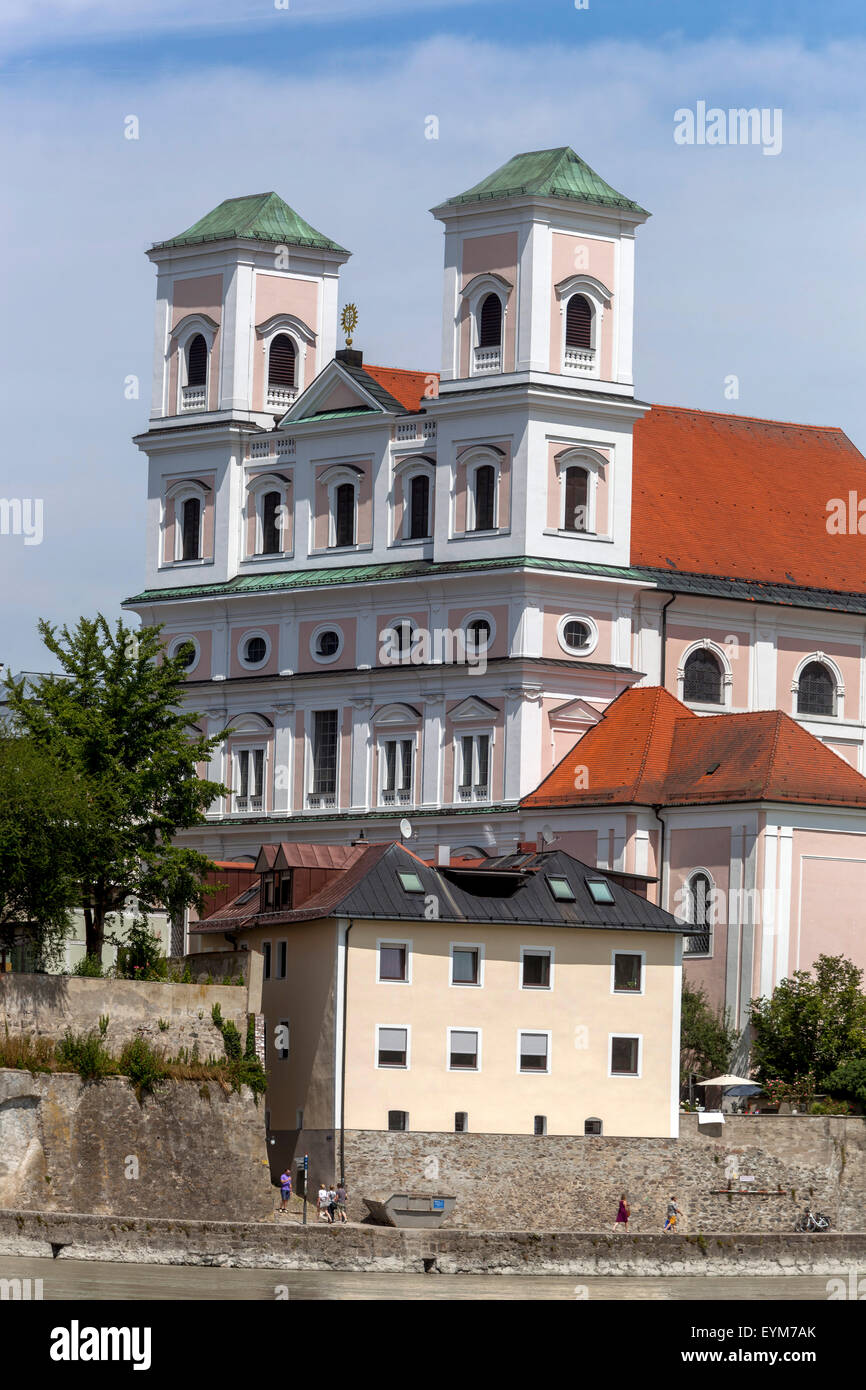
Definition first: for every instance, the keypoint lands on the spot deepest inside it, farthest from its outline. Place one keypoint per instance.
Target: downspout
(664, 636)
(343, 1059)
(662, 871)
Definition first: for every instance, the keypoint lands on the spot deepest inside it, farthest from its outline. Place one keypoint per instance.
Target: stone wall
(524, 1182)
(46, 1005)
(281, 1245)
(188, 1151)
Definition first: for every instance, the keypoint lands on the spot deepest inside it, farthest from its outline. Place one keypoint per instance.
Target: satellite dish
(547, 834)
(405, 829)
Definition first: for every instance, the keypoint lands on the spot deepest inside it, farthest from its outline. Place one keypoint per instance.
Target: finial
(349, 322)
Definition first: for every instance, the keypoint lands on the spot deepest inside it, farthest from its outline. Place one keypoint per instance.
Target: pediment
(333, 389)
(473, 707)
(574, 712)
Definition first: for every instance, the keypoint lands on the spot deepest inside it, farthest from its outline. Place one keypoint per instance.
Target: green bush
(849, 1080)
(84, 1053)
(144, 1066)
(250, 1048)
(139, 956)
(830, 1107)
(90, 967)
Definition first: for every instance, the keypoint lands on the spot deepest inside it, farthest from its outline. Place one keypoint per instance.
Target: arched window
(490, 322)
(703, 678)
(478, 634)
(282, 361)
(419, 507)
(816, 693)
(484, 498)
(271, 524)
(191, 528)
(576, 500)
(699, 914)
(196, 361)
(344, 514)
(578, 322)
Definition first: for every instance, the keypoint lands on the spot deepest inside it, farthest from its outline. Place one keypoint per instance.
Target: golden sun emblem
(349, 322)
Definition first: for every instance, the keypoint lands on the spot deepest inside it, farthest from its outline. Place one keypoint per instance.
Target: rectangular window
(249, 779)
(266, 959)
(281, 1038)
(344, 519)
(625, 1056)
(561, 889)
(393, 961)
(286, 888)
(397, 759)
(268, 890)
(540, 1124)
(324, 780)
(600, 890)
(627, 973)
(282, 959)
(592, 1127)
(536, 969)
(419, 507)
(465, 965)
(463, 1049)
(474, 767)
(409, 881)
(393, 1047)
(534, 1051)
(461, 1122)
(398, 1119)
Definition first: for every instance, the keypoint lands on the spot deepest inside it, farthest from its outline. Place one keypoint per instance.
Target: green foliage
(90, 967)
(707, 1040)
(103, 1025)
(828, 1106)
(144, 1066)
(243, 1069)
(250, 1046)
(798, 1091)
(815, 1021)
(163, 1025)
(140, 955)
(113, 723)
(37, 877)
(849, 1079)
(232, 1041)
(85, 1053)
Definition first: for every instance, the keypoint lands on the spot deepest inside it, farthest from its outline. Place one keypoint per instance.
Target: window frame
(472, 471)
(392, 1066)
(464, 1028)
(537, 951)
(174, 646)
(475, 735)
(535, 1032)
(314, 637)
(250, 748)
(838, 696)
(310, 774)
(384, 738)
(466, 946)
(407, 947)
(282, 946)
(586, 621)
(709, 926)
(248, 636)
(267, 960)
(618, 951)
(727, 675)
(625, 1037)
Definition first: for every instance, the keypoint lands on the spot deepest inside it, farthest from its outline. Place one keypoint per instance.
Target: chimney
(352, 357)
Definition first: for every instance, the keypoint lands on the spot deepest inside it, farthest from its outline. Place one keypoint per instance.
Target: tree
(37, 883)
(707, 1040)
(113, 722)
(849, 1080)
(812, 1022)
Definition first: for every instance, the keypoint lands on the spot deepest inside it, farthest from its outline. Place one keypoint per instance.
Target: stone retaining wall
(273, 1245)
(189, 1150)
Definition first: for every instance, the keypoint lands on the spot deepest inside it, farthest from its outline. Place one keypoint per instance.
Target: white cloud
(749, 266)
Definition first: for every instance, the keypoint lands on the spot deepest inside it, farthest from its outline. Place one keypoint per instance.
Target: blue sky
(750, 265)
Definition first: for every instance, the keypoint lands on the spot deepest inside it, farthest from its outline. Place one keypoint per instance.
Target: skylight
(561, 889)
(409, 881)
(600, 890)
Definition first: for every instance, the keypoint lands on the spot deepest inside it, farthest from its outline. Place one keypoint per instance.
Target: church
(506, 600)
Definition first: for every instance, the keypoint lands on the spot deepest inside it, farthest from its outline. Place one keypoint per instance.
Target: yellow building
(523, 994)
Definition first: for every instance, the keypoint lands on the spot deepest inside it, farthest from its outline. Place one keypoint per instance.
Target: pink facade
(493, 255)
(733, 643)
(467, 458)
(793, 651)
(200, 294)
(708, 848)
(359, 470)
(577, 255)
(238, 637)
(828, 890)
(285, 294)
(556, 487)
(344, 662)
(203, 487)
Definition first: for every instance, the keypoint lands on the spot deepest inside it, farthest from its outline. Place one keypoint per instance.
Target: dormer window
(191, 529)
(194, 394)
(282, 372)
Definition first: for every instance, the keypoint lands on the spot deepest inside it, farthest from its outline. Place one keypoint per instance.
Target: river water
(97, 1280)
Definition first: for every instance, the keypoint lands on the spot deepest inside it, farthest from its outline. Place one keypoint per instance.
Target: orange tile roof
(407, 387)
(648, 749)
(743, 498)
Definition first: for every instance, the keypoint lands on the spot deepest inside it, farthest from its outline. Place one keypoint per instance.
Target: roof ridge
(771, 760)
(651, 728)
(754, 419)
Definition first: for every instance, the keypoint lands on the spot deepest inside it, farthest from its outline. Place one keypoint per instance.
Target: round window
(327, 643)
(255, 650)
(478, 634)
(186, 653)
(576, 636)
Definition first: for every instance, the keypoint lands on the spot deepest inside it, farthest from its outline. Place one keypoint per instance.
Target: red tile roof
(648, 749)
(733, 496)
(411, 389)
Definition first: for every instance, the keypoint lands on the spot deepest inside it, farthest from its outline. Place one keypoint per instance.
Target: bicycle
(812, 1221)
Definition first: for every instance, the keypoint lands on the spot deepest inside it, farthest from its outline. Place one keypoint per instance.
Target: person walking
(322, 1203)
(673, 1213)
(332, 1204)
(285, 1190)
(623, 1214)
(342, 1199)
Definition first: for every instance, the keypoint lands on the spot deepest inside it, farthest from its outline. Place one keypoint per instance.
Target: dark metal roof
(508, 889)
